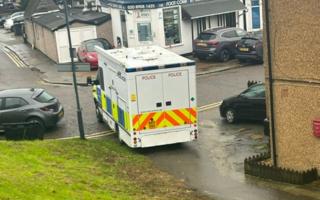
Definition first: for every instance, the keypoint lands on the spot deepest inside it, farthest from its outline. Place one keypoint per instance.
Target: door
(13, 110)
(124, 29)
(150, 102)
(176, 93)
(176, 98)
(150, 93)
(78, 35)
(114, 104)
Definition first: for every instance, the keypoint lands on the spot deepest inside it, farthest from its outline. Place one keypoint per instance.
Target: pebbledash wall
(295, 45)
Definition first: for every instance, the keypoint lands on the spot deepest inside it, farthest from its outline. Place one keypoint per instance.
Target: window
(100, 78)
(230, 34)
(1, 101)
(255, 4)
(257, 91)
(171, 23)
(90, 46)
(14, 102)
(241, 33)
(44, 97)
(144, 32)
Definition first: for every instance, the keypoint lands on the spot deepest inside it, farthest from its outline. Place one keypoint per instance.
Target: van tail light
(213, 43)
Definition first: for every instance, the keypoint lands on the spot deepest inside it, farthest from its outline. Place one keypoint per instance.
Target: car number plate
(201, 44)
(244, 49)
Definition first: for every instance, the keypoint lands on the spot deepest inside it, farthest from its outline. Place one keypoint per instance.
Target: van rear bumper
(166, 138)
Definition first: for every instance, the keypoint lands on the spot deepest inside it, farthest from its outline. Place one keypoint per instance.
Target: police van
(147, 95)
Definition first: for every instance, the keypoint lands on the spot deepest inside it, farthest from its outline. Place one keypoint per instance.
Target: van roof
(147, 57)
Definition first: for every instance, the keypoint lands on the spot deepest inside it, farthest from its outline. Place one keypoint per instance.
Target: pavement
(47, 68)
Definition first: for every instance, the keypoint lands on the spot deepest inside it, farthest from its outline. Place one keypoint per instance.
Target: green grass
(75, 169)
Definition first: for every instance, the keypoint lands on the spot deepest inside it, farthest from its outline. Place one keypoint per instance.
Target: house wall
(295, 69)
(249, 14)
(29, 31)
(105, 31)
(155, 17)
(44, 40)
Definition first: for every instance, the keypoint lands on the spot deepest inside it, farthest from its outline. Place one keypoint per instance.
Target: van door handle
(168, 103)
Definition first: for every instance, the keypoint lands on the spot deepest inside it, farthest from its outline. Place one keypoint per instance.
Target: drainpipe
(244, 16)
(274, 149)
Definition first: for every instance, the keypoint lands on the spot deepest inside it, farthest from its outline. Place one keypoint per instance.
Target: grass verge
(75, 169)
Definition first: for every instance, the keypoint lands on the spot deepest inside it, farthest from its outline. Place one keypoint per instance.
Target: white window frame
(180, 26)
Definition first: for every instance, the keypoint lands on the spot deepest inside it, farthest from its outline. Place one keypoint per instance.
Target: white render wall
(155, 17)
(249, 16)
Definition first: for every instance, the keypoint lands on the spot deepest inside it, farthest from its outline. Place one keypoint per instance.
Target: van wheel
(230, 116)
(224, 55)
(99, 115)
(118, 134)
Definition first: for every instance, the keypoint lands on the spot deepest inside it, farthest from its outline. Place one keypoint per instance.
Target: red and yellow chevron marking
(168, 118)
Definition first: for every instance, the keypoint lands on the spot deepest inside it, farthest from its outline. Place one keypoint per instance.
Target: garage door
(77, 36)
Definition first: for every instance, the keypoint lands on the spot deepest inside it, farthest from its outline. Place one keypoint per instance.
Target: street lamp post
(79, 112)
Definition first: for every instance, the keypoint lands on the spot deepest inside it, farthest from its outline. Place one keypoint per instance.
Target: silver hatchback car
(30, 105)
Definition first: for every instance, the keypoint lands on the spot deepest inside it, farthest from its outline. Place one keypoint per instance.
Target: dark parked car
(250, 48)
(87, 52)
(30, 105)
(249, 105)
(217, 43)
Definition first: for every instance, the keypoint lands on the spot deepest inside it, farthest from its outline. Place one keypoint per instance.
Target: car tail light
(213, 43)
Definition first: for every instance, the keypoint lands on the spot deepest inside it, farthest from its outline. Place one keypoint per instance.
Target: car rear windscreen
(249, 41)
(207, 36)
(91, 45)
(44, 97)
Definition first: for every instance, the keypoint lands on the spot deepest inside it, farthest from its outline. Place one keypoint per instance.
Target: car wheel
(99, 115)
(241, 60)
(224, 55)
(230, 116)
(201, 58)
(38, 129)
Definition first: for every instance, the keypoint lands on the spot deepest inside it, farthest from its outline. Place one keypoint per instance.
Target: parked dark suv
(217, 43)
(30, 105)
(250, 48)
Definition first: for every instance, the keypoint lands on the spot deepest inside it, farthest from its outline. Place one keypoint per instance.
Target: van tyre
(118, 134)
(224, 55)
(230, 116)
(99, 115)
(39, 128)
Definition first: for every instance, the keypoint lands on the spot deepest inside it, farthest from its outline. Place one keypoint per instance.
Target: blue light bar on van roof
(129, 70)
